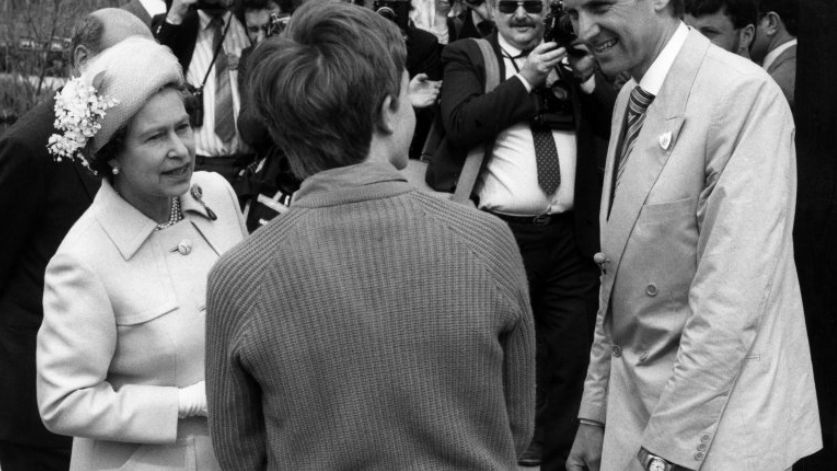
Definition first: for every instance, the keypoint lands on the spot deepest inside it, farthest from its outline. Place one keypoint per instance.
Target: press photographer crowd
(414, 235)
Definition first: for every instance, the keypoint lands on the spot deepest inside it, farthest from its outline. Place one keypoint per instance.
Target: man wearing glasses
(543, 177)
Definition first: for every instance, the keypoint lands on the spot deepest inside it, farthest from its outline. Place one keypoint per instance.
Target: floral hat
(111, 90)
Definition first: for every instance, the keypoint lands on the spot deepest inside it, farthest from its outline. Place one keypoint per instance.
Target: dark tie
(546, 156)
(224, 117)
(637, 104)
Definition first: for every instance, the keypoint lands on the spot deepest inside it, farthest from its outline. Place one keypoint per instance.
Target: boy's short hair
(320, 84)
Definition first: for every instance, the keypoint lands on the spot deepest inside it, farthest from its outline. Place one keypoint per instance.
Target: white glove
(192, 400)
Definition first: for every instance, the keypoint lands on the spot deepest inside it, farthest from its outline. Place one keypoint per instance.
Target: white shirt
(206, 142)
(510, 183)
(654, 77)
(771, 56)
(154, 7)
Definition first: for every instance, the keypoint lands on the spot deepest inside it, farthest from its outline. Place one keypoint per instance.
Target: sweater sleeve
(236, 421)
(76, 344)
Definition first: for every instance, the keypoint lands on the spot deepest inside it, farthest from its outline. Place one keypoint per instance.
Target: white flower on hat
(78, 113)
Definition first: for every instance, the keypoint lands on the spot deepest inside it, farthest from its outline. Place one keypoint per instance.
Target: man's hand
(423, 92)
(540, 62)
(178, 10)
(586, 453)
(582, 67)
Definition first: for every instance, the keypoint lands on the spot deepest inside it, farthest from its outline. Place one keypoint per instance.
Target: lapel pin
(197, 193)
(665, 140)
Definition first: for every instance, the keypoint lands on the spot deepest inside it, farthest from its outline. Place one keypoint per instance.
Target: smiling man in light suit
(700, 358)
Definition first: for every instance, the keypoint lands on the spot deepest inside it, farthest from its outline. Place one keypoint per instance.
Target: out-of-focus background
(34, 47)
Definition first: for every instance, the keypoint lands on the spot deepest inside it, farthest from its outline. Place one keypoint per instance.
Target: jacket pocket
(176, 456)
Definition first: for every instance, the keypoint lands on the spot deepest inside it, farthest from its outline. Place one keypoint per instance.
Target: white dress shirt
(206, 141)
(510, 183)
(654, 77)
(154, 7)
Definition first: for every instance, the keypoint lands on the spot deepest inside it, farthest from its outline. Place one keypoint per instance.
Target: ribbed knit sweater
(372, 327)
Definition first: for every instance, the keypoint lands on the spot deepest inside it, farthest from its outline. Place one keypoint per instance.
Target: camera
(558, 28)
(277, 24)
(397, 11)
(193, 102)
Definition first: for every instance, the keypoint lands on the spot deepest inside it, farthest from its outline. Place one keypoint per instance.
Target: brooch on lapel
(665, 140)
(197, 193)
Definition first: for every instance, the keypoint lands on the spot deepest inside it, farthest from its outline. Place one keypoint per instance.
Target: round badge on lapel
(184, 247)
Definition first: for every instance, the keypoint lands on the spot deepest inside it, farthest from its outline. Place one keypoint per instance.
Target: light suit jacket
(700, 352)
(123, 329)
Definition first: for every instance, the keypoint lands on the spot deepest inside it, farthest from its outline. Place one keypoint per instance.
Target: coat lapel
(193, 203)
(663, 122)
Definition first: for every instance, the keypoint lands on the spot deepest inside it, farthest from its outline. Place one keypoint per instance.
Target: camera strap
(218, 48)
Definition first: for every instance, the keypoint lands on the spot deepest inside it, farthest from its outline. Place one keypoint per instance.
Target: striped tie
(224, 117)
(638, 103)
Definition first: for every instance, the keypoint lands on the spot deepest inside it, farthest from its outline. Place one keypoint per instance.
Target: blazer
(40, 199)
(124, 316)
(471, 117)
(700, 352)
(783, 71)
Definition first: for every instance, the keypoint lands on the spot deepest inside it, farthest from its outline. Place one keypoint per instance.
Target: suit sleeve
(76, 343)
(22, 189)
(234, 398)
(176, 37)
(471, 116)
(594, 399)
(745, 216)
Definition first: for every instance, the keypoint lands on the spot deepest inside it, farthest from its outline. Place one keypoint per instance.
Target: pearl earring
(115, 171)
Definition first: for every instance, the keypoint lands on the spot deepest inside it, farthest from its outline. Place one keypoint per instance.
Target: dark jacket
(40, 199)
(471, 117)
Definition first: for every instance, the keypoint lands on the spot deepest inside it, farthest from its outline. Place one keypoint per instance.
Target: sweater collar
(351, 184)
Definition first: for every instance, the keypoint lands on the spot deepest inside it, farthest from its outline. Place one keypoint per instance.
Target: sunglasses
(509, 6)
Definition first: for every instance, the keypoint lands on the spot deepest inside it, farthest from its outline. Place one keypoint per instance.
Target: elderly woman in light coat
(120, 353)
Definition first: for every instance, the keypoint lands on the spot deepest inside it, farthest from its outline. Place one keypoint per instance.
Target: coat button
(699, 456)
(617, 351)
(601, 260)
(651, 290)
(705, 438)
(184, 247)
(702, 447)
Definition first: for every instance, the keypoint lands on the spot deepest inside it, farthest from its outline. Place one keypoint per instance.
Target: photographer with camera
(207, 39)
(546, 143)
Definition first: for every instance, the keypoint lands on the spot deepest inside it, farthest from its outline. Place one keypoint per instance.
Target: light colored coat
(701, 353)
(124, 320)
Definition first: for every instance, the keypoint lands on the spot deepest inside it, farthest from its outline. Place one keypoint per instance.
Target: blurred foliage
(34, 49)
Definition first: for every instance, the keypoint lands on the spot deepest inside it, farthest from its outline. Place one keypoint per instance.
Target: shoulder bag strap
(478, 157)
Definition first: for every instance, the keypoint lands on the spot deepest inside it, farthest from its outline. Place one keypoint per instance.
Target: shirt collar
(508, 48)
(351, 184)
(771, 56)
(206, 18)
(654, 77)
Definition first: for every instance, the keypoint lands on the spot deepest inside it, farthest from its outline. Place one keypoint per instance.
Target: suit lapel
(657, 139)
(786, 55)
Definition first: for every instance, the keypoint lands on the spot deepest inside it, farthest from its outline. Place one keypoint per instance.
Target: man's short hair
(88, 33)
(319, 85)
(678, 8)
(788, 11)
(740, 12)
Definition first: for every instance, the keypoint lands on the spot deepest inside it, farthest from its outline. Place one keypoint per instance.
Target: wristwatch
(652, 462)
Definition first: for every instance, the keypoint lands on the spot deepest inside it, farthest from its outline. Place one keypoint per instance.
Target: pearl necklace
(175, 215)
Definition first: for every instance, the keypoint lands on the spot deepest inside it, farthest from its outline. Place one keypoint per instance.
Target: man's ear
(388, 121)
(80, 56)
(774, 23)
(745, 39)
